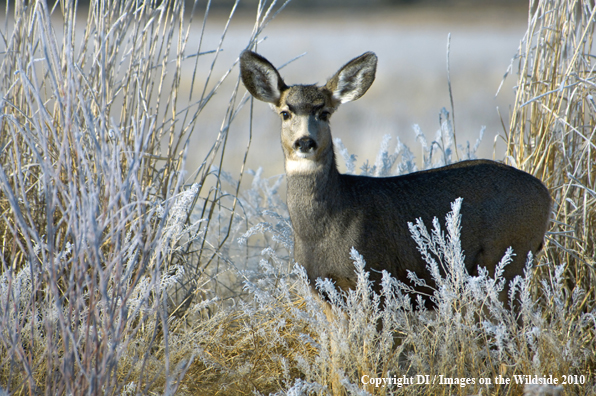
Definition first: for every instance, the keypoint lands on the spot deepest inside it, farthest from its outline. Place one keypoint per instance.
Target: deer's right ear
(354, 78)
(260, 77)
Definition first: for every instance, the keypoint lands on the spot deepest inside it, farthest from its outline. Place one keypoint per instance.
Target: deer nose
(305, 145)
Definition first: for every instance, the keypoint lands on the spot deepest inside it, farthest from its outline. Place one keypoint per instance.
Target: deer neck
(312, 195)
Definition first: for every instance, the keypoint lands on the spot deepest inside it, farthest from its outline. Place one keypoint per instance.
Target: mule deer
(332, 212)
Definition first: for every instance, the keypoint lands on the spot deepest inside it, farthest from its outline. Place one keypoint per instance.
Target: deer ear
(354, 78)
(261, 78)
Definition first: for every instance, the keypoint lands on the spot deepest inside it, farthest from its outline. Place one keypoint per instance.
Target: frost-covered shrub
(471, 333)
(440, 152)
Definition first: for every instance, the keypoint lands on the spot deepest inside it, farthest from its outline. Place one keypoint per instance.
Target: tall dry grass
(552, 133)
(95, 209)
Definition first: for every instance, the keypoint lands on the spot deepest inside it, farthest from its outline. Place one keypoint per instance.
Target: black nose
(305, 144)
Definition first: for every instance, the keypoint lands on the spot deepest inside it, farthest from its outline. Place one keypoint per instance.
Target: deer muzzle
(305, 145)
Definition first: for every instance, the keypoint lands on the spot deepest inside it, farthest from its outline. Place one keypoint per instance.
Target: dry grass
(552, 133)
(95, 211)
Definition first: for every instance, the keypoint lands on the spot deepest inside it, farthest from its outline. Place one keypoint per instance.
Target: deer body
(332, 212)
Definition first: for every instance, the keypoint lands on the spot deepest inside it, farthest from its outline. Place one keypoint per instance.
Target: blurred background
(409, 37)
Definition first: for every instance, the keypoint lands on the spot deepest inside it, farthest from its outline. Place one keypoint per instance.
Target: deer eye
(324, 116)
(285, 115)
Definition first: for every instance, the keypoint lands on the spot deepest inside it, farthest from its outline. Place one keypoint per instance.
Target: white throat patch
(302, 166)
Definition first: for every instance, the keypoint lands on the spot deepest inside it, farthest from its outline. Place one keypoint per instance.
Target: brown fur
(332, 212)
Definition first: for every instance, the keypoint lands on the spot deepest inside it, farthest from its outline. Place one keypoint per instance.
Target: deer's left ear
(261, 78)
(354, 78)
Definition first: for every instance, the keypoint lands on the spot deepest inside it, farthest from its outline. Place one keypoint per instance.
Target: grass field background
(411, 83)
